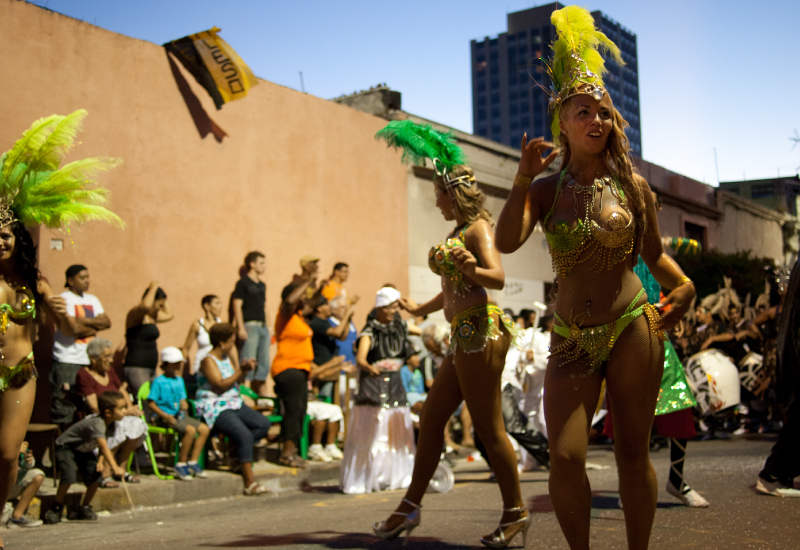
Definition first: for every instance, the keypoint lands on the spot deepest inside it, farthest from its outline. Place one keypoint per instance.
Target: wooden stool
(54, 432)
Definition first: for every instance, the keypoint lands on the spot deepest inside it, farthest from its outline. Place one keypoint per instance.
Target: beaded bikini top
(587, 239)
(28, 308)
(440, 263)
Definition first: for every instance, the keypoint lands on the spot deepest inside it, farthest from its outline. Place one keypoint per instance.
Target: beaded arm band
(522, 181)
(683, 280)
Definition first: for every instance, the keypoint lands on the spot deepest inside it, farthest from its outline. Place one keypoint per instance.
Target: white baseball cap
(386, 296)
(171, 355)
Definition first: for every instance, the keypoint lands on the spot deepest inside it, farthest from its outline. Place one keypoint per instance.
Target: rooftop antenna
(716, 165)
(302, 86)
(796, 140)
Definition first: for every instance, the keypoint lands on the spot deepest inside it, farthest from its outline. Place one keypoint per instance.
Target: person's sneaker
(318, 454)
(7, 511)
(86, 513)
(775, 488)
(688, 496)
(182, 472)
(13, 523)
(196, 470)
(333, 451)
(53, 515)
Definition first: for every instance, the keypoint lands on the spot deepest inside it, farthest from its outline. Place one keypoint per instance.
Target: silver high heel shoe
(410, 523)
(499, 541)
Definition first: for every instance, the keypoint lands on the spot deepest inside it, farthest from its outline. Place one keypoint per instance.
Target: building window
(495, 112)
(495, 99)
(524, 107)
(482, 101)
(482, 86)
(696, 232)
(525, 121)
(481, 114)
(495, 83)
(513, 109)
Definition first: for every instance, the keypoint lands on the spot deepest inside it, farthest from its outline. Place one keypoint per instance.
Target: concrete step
(219, 484)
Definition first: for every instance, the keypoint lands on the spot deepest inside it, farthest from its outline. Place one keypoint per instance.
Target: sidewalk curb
(219, 484)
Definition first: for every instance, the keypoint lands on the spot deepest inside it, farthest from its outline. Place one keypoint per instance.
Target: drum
(714, 379)
(750, 371)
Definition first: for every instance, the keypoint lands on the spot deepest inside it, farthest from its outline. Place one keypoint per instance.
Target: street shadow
(201, 119)
(601, 500)
(335, 539)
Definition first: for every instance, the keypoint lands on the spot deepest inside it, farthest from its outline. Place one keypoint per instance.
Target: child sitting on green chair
(168, 405)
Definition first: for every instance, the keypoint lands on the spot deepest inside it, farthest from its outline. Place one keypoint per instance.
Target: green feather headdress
(36, 189)
(420, 142)
(577, 66)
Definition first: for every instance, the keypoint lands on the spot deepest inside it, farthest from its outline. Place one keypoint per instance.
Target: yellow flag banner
(215, 65)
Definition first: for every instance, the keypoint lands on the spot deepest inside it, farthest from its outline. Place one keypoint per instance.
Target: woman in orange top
(291, 365)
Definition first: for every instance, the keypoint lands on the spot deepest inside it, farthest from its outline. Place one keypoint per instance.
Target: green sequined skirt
(675, 393)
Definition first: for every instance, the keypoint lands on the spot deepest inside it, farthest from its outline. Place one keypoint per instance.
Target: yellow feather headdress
(576, 66)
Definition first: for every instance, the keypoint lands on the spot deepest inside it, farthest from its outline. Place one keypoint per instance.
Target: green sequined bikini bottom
(474, 327)
(18, 376)
(594, 344)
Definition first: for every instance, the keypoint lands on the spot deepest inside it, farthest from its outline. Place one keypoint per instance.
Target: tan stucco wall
(297, 174)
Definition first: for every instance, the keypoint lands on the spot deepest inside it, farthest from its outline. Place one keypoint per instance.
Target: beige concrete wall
(742, 230)
(297, 174)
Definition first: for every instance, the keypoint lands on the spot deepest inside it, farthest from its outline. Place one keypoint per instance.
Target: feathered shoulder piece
(420, 142)
(36, 189)
(577, 66)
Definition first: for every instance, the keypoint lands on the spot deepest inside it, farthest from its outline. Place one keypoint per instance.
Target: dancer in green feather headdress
(35, 189)
(468, 264)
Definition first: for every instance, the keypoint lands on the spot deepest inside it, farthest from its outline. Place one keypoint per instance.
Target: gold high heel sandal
(410, 523)
(499, 541)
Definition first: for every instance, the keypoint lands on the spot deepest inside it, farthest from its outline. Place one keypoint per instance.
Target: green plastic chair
(144, 391)
(245, 391)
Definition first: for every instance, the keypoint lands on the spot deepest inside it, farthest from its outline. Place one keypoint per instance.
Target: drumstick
(128, 494)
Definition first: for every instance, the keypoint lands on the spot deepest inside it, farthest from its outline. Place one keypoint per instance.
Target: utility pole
(302, 87)
(716, 165)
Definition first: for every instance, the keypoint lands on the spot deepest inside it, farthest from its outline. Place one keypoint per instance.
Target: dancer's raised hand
(532, 163)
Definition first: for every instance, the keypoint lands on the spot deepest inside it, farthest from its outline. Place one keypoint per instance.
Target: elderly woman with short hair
(97, 378)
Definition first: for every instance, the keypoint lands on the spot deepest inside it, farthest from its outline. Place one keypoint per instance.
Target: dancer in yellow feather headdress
(597, 216)
(35, 189)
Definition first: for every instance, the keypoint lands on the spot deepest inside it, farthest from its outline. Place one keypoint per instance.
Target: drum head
(714, 379)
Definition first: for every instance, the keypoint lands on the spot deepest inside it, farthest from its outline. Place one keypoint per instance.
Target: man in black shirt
(250, 318)
(324, 339)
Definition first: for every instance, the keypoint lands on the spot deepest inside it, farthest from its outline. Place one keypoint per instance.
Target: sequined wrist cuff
(522, 181)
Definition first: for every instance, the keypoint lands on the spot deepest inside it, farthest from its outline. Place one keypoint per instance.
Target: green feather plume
(420, 142)
(40, 191)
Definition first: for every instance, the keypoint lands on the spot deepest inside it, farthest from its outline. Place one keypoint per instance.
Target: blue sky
(712, 74)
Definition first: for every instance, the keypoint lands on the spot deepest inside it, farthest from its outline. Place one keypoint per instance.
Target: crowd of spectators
(104, 418)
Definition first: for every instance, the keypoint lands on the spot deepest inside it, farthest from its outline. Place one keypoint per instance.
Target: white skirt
(379, 452)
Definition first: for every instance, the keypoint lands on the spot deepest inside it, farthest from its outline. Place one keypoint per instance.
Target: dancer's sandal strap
(416, 507)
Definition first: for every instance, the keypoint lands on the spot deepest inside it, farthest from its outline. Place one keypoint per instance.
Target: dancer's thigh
(479, 377)
(569, 404)
(633, 378)
(444, 397)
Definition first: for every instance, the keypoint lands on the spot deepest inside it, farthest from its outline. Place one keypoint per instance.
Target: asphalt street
(724, 472)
